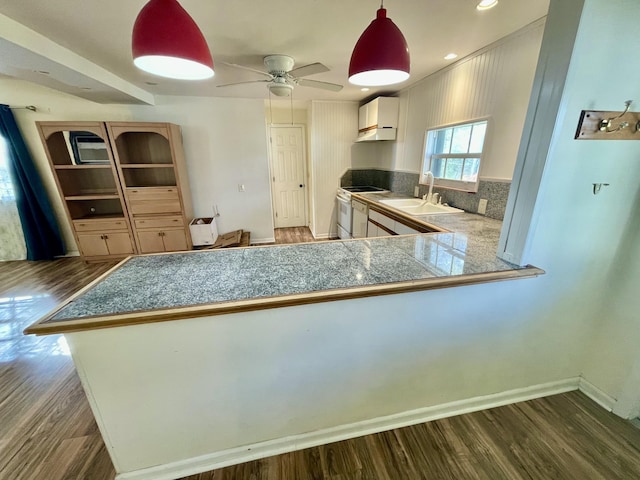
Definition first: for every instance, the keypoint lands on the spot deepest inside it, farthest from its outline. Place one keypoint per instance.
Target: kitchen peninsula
(196, 360)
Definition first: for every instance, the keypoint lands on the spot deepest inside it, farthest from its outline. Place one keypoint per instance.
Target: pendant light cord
(291, 97)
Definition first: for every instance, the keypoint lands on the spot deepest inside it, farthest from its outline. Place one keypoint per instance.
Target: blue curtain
(41, 232)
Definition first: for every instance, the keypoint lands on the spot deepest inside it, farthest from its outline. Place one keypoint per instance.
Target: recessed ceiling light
(365, 89)
(451, 56)
(487, 4)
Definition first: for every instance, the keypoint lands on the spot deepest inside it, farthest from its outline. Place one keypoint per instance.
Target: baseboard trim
(258, 241)
(603, 399)
(325, 235)
(278, 446)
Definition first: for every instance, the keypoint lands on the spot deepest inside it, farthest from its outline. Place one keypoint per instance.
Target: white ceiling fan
(283, 78)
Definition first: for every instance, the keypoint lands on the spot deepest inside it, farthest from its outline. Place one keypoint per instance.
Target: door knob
(301, 185)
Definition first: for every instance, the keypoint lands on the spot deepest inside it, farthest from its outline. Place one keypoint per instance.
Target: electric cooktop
(363, 189)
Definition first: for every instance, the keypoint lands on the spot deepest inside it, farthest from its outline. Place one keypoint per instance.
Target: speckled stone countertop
(215, 281)
(479, 229)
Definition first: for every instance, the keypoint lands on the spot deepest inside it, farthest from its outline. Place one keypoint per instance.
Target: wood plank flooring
(293, 235)
(47, 430)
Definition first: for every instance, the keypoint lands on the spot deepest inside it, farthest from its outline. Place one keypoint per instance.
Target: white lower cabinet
(372, 229)
(359, 221)
(389, 223)
(402, 229)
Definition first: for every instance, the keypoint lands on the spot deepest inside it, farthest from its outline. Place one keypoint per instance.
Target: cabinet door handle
(106, 237)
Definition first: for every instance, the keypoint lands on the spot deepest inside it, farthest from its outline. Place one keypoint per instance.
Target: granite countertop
(145, 288)
(476, 227)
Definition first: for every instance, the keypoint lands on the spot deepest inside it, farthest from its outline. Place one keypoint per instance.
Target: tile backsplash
(496, 193)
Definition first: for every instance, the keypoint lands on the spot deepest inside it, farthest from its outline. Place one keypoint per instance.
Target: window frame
(461, 185)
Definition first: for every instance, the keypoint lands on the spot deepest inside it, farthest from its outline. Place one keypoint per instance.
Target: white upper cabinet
(378, 119)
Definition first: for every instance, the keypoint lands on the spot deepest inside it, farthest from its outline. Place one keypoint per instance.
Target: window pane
(443, 141)
(453, 170)
(477, 137)
(437, 167)
(461, 136)
(6, 187)
(470, 171)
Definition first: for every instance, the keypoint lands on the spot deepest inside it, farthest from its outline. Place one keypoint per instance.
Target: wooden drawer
(153, 200)
(102, 225)
(152, 193)
(159, 222)
(150, 207)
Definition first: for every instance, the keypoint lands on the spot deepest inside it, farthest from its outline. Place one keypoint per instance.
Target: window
(453, 155)
(6, 187)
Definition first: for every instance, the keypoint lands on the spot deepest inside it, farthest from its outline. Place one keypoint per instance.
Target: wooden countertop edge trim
(153, 316)
(400, 216)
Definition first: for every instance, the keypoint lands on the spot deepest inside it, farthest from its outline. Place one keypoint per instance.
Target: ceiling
(243, 32)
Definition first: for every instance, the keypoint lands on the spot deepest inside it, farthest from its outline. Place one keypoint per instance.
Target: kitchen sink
(415, 206)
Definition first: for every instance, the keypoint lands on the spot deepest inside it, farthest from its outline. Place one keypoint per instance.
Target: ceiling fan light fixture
(281, 89)
(167, 42)
(381, 55)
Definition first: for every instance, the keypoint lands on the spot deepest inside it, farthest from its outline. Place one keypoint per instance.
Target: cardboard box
(203, 231)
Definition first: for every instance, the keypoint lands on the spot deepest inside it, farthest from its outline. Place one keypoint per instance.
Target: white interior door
(288, 182)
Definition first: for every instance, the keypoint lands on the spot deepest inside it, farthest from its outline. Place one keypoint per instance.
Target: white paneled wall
(334, 127)
(494, 82)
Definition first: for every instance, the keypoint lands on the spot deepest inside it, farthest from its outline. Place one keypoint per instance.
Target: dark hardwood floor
(47, 430)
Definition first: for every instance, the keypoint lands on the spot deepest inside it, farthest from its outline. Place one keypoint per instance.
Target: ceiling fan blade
(242, 83)
(334, 87)
(235, 65)
(310, 69)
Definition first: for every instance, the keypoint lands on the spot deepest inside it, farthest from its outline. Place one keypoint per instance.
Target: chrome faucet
(428, 198)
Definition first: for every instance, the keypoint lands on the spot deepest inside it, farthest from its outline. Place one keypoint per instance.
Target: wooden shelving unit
(151, 166)
(123, 185)
(90, 188)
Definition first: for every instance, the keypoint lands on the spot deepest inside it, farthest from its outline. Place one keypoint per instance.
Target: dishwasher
(359, 220)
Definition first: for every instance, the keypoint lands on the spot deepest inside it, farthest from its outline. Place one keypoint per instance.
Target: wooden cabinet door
(174, 240)
(150, 241)
(92, 244)
(119, 243)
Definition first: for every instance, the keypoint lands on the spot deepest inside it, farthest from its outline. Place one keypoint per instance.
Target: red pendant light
(381, 55)
(167, 42)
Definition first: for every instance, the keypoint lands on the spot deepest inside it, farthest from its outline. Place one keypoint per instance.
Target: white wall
(334, 127)
(494, 82)
(224, 141)
(613, 360)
